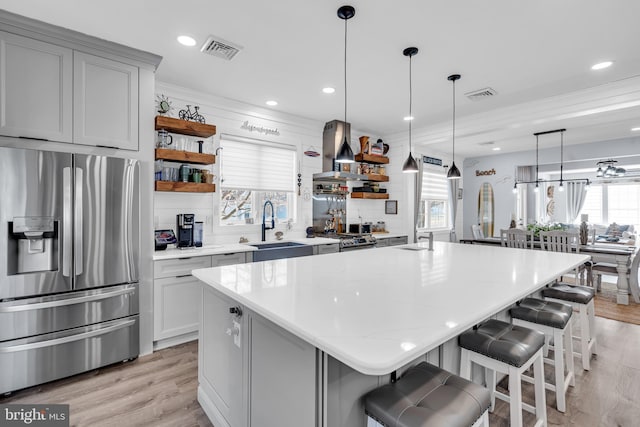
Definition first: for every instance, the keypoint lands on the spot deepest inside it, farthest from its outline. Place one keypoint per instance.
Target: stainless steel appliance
(353, 243)
(69, 247)
(332, 136)
(185, 227)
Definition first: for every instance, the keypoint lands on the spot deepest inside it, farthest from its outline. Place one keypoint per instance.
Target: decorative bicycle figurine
(194, 116)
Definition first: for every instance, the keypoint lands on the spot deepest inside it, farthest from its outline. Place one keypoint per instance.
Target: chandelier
(608, 169)
(538, 181)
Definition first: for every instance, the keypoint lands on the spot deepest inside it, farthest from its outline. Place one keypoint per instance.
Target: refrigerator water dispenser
(34, 241)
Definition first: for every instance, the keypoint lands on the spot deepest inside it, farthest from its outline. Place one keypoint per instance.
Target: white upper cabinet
(35, 89)
(105, 102)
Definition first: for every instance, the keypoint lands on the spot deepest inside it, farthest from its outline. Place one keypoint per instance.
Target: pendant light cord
(536, 159)
(345, 71)
(453, 154)
(561, 154)
(410, 102)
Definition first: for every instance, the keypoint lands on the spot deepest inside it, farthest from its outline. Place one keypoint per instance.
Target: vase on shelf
(363, 144)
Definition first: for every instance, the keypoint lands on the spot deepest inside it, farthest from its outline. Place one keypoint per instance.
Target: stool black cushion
(503, 341)
(541, 312)
(428, 396)
(572, 293)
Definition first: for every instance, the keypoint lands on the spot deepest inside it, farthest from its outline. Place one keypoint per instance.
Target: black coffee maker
(184, 226)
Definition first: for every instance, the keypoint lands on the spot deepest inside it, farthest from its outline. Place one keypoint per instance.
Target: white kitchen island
(309, 336)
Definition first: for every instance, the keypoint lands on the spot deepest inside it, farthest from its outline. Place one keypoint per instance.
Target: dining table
(612, 253)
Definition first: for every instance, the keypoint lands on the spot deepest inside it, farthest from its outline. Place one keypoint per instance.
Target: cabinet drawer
(327, 249)
(179, 267)
(393, 241)
(229, 259)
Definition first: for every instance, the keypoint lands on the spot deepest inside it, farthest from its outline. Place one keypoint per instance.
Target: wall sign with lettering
(260, 129)
(484, 173)
(431, 160)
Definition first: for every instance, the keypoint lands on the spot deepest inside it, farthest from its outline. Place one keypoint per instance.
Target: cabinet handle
(107, 146)
(183, 275)
(235, 310)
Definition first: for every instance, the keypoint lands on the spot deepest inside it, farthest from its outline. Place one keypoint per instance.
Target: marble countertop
(173, 253)
(377, 310)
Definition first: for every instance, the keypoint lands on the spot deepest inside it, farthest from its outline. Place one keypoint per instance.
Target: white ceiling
(537, 56)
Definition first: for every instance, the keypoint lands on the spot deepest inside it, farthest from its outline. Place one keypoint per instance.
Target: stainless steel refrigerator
(69, 246)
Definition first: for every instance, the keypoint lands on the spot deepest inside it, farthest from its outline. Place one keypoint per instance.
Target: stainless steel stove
(350, 242)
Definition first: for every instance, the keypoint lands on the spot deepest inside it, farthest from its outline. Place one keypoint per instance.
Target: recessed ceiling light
(186, 41)
(496, 148)
(602, 65)
(328, 90)
(407, 118)
(635, 129)
(272, 103)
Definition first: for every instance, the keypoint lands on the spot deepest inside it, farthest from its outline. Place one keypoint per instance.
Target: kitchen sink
(278, 250)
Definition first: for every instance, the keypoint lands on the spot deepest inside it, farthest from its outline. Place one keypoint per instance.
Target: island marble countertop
(376, 310)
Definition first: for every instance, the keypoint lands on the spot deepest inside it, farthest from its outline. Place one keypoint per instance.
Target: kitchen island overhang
(376, 311)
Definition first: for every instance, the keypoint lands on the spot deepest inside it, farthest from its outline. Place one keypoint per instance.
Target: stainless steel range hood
(332, 136)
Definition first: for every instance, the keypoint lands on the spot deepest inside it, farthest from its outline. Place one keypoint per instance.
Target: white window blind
(434, 184)
(257, 165)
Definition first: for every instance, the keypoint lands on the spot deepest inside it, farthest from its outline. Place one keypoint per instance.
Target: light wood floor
(160, 389)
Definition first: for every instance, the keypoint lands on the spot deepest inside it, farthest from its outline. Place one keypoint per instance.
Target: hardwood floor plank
(160, 390)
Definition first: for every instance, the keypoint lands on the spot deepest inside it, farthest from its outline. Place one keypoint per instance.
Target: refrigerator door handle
(77, 232)
(67, 221)
(71, 338)
(67, 301)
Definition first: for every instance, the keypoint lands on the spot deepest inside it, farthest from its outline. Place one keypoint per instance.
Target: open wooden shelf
(377, 177)
(370, 158)
(185, 127)
(185, 187)
(357, 195)
(185, 156)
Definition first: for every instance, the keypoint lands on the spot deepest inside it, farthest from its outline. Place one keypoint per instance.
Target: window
(593, 205)
(434, 203)
(252, 172)
(607, 203)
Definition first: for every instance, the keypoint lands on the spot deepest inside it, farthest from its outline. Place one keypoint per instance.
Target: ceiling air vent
(221, 48)
(477, 95)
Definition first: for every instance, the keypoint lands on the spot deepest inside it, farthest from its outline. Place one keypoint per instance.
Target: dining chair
(566, 241)
(477, 232)
(610, 269)
(516, 238)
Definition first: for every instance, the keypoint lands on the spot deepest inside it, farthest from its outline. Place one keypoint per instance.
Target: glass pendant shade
(454, 172)
(410, 165)
(345, 153)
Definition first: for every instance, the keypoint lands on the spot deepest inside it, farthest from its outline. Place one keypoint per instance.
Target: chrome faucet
(264, 225)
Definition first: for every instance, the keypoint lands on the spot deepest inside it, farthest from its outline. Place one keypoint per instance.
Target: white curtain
(453, 186)
(576, 192)
(417, 205)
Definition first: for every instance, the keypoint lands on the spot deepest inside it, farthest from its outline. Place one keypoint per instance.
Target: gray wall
(583, 156)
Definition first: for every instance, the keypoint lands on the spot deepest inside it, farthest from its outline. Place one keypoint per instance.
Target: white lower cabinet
(176, 302)
(241, 366)
(176, 307)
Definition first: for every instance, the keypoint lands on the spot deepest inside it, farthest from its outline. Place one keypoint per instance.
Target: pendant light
(345, 153)
(454, 172)
(410, 165)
